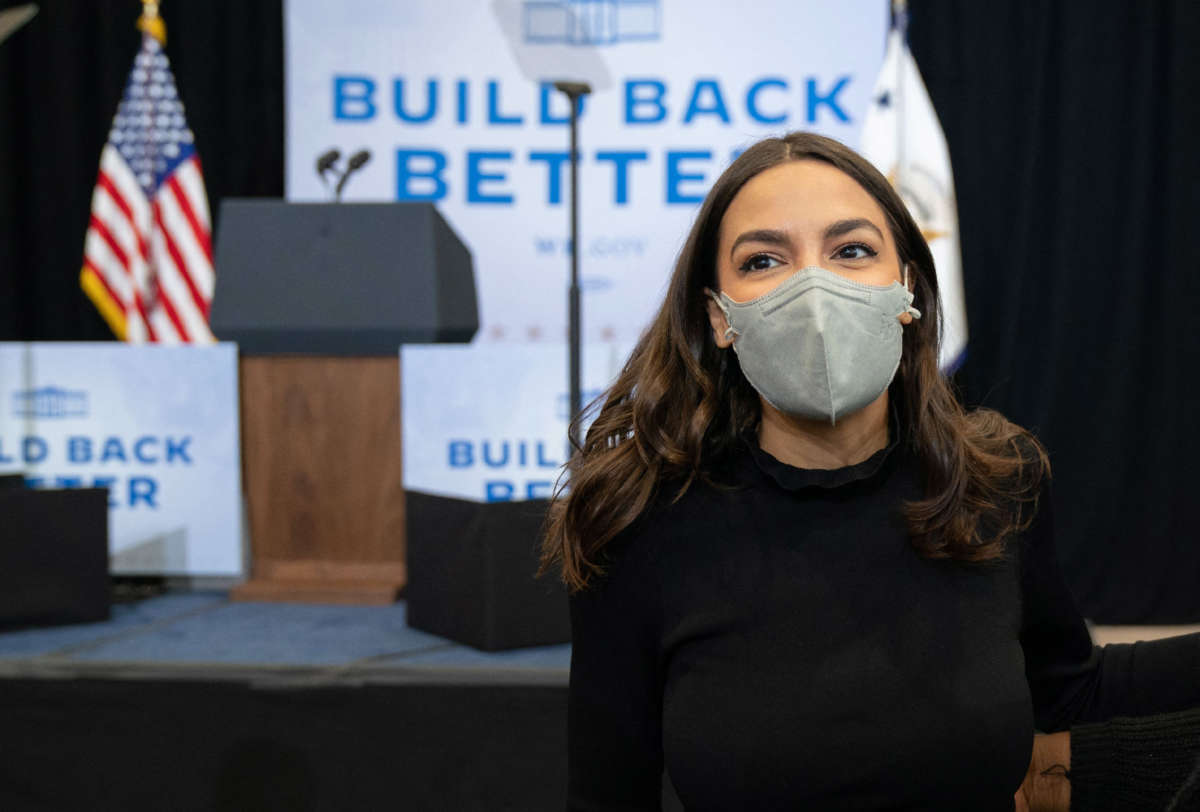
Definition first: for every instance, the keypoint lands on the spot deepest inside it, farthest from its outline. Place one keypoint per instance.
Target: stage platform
(189, 701)
(205, 633)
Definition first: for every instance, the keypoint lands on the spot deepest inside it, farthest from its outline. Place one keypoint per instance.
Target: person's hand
(1046, 787)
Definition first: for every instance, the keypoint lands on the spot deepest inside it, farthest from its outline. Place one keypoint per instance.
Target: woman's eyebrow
(846, 226)
(766, 235)
(775, 237)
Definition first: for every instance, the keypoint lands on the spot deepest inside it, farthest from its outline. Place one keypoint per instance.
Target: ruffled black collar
(792, 478)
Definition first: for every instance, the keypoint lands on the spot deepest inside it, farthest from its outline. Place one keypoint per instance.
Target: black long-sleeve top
(780, 645)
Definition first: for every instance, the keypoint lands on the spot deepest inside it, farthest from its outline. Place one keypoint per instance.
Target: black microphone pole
(574, 91)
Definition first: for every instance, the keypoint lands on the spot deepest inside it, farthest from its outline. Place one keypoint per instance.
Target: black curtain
(1072, 129)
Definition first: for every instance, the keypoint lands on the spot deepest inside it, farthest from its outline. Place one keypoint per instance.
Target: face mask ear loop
(729, 331)
(909, 309)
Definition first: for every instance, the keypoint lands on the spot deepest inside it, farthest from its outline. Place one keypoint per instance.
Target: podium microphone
(352, 165)
(325, 162)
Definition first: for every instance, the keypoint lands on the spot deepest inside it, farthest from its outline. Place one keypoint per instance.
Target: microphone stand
(574, 91)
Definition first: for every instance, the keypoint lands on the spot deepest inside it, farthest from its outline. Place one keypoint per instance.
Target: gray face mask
(819, 346)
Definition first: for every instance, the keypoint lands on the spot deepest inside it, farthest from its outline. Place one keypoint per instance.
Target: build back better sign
(156, 426)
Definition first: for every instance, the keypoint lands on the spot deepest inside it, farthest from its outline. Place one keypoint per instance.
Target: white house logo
(592, 22)
(49, 402)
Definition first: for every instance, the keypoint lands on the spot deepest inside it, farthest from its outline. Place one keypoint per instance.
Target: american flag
(147, 255)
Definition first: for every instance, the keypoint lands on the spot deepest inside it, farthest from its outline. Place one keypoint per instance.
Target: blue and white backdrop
(453, 100)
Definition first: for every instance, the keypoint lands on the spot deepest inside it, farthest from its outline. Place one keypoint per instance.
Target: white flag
(902, 137)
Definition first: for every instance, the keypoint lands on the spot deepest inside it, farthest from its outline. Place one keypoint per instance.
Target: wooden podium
(324, 489)
(319, 298)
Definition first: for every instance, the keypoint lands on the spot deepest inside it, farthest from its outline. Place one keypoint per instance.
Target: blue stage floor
(206, 630)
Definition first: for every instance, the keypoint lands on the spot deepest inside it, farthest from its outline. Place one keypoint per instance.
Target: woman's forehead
(799, 195)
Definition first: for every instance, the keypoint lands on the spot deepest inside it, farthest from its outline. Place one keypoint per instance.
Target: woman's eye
(759, 262)
(855, 250)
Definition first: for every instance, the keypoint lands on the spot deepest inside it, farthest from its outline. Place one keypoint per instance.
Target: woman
(802, 576)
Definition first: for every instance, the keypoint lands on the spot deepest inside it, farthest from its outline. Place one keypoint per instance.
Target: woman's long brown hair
(680, 404)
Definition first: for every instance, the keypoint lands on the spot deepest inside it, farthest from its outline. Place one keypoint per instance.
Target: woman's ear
(720, 325)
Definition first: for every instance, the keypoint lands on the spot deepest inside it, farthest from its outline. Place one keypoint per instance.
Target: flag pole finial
(152, 24)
